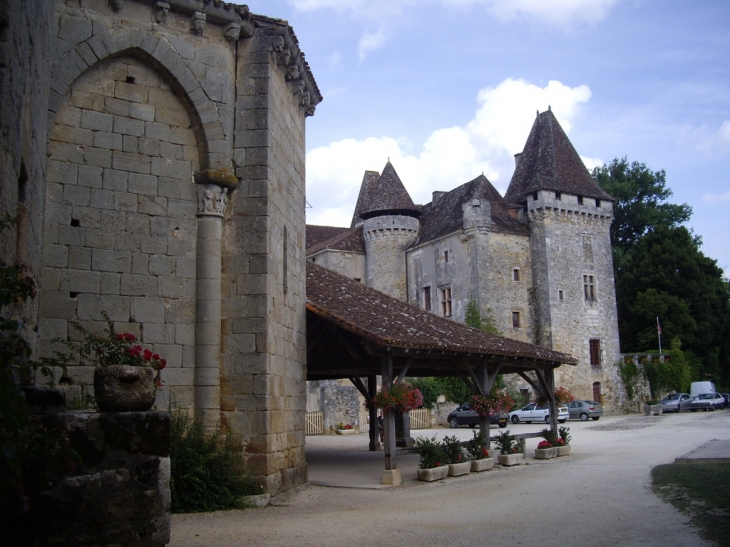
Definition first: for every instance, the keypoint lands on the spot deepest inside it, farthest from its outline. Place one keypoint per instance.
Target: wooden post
(392, 473)
(482, 384)
(374, 444)
(550, 381)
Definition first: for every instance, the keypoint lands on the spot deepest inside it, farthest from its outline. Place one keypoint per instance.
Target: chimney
(518, 158)
(436, 196)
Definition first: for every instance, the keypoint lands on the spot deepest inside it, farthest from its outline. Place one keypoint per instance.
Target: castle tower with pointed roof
(568, 217)
(390, 224)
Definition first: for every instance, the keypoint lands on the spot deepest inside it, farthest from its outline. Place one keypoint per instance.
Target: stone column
(214, 188)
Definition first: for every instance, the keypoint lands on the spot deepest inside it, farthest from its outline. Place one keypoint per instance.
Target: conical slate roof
(385, 195)
(367, 188)
(549, 162)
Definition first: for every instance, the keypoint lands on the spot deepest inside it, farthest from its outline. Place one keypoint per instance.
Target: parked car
(585, 409)
(537, 413)
(726, 396)
(463, 415)
(675, 402)
(707, 401)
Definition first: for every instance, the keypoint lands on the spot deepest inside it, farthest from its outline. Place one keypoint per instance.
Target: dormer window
(534, 196)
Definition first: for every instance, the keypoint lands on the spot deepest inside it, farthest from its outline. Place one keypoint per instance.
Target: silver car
(585, 409)
(707, 401)
(675, 402)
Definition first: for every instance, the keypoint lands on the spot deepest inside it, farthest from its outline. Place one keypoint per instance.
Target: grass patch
(700, 490)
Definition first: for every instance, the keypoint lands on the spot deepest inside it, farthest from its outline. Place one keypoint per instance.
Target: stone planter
(258, 500)
(564, 450)
(433, 473)
(477, 466)
(510, 459)
(456, 469)
(124, 388)
(345, 431)
(652, 410)
(546, 453)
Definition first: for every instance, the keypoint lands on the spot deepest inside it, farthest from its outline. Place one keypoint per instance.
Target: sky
(448, 89)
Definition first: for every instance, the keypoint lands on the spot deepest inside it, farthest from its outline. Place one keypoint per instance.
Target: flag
(658, 327)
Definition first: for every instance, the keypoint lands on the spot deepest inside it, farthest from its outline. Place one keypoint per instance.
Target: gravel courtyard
(599, 496)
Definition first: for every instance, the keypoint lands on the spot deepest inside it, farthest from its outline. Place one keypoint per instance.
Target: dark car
(463, 415)
(585, 409)
(726, 396)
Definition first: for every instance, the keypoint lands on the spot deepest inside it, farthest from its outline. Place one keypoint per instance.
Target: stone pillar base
(392, 477)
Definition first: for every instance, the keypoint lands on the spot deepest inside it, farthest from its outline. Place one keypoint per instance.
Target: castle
(537, 261)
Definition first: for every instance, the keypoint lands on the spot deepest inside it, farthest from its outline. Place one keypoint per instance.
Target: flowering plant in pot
(481, 459)
(431, 465)
(455, 457)
(547, 448)
(509, 449)
(127, 375)
(497, 402)
(403, 397)
(563, 441)
(344, 429)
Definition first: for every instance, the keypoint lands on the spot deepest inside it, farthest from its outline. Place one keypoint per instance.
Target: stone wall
(386, 239)
(352, 265)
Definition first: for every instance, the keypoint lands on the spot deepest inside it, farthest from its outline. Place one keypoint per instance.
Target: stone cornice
(570, 215)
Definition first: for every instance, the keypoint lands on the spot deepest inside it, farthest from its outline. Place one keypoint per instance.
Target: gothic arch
(215, 152)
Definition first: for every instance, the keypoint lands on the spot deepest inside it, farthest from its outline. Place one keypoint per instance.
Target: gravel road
(599, 496)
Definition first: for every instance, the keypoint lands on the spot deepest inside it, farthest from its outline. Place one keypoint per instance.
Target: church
(537, 261)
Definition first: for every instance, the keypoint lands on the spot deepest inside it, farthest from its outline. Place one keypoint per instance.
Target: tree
(640, 205)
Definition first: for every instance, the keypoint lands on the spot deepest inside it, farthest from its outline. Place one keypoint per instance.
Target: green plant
(476, 320)
(476, 447)
(507, 443)
(81, 402)
(431, 452)
(206, 471)
(629, 374)
(430, 388)
(564, 433)
(550, 436)
(453, 451)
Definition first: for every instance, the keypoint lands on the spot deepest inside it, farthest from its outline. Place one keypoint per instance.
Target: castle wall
(569, 241)
(352, 265)
(386, 239)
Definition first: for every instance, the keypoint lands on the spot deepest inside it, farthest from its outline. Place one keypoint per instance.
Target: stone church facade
(158, 149)
(537, 261)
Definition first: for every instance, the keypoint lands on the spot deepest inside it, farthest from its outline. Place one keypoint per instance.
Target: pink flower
(135, 351)
(147, 356)
(163, 364)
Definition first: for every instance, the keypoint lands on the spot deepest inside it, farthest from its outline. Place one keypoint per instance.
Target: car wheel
(515, 419)
(595, 418)
(547, 419)
(502, 424)
(472, 425)
(454, 423)
(583, 417)
(562, 421)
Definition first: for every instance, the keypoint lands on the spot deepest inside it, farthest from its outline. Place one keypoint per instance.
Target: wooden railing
(420, 418)
(363, 420)
(314, 423)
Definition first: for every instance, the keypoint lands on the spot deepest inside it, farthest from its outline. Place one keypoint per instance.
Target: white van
(701, 387)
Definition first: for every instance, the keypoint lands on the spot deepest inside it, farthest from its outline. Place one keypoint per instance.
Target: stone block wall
(352, 265)
(386, 239)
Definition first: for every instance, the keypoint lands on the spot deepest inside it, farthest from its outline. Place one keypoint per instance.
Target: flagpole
(659, 334)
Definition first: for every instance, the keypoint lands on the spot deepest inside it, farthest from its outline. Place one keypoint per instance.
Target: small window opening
(558, 195)
(560, 296)
(515, 319)
(534, 196)
(580, 200)
(73, 294)
(130, 79)
(589, 288)
(594, 345)
(597, 393)
(358, 279)
(75, 222)
(285, 266)
(427, 298)
(446, 301)
(598, 203)
(446, 256)
(516, 274)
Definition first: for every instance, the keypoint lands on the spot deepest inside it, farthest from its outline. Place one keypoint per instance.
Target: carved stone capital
(116, 5)
(160, 11)
(214, 190)
(198, 23)
(232, 32)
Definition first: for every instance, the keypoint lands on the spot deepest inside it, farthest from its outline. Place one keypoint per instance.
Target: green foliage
(673, 375)
(207, 473)
(700, 491)
(453, 451)
(476, 447)
(629, 374)
(473, 318)
(431, 452)
(564, 433)
(429, 388)
(506, 442)
(550, 436)
(454, 389)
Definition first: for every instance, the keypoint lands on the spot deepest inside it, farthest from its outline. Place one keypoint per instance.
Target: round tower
(390, 224)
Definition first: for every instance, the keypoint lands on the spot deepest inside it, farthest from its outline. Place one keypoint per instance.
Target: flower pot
(124, 388)
(345, 431)
(564, 450)
(433, 473)
(510, 459)
(456, 469)
(257, 500)
(477, 466)
(543, 453)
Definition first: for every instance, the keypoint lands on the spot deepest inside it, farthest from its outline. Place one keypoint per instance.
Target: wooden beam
(357, 382)
(529, 380)
(479, 384)
(374, 444)
(467, 380)
(403, 372)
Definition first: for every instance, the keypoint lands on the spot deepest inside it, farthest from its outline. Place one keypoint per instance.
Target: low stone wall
(119, 494)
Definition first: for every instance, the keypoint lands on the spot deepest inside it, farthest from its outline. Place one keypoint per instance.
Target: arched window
(597, 392)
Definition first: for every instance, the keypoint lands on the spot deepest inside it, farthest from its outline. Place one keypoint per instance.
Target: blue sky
(448, 89)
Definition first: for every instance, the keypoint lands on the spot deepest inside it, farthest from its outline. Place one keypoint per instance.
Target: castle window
(427, 298)
(446, 301)
(561, 297)
(598, 202)
(597, 392)
(446, 256)
(558, 196)
(516, 274)
(580, 200)
(594, 347)
(534, 196)
(515, 320)
(589, 288)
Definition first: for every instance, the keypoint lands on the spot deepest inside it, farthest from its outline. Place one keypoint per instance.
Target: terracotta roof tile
(318, 234)
(386, 321)
(385, 194)
(365, 197)
(550, 162)
(349, 239)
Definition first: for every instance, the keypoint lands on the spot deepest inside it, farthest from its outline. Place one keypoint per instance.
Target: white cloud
(335, 61)
(714, 198)
(561, 13)
(708, 140)
(371, 41)
(448, 158)
(591, 163)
